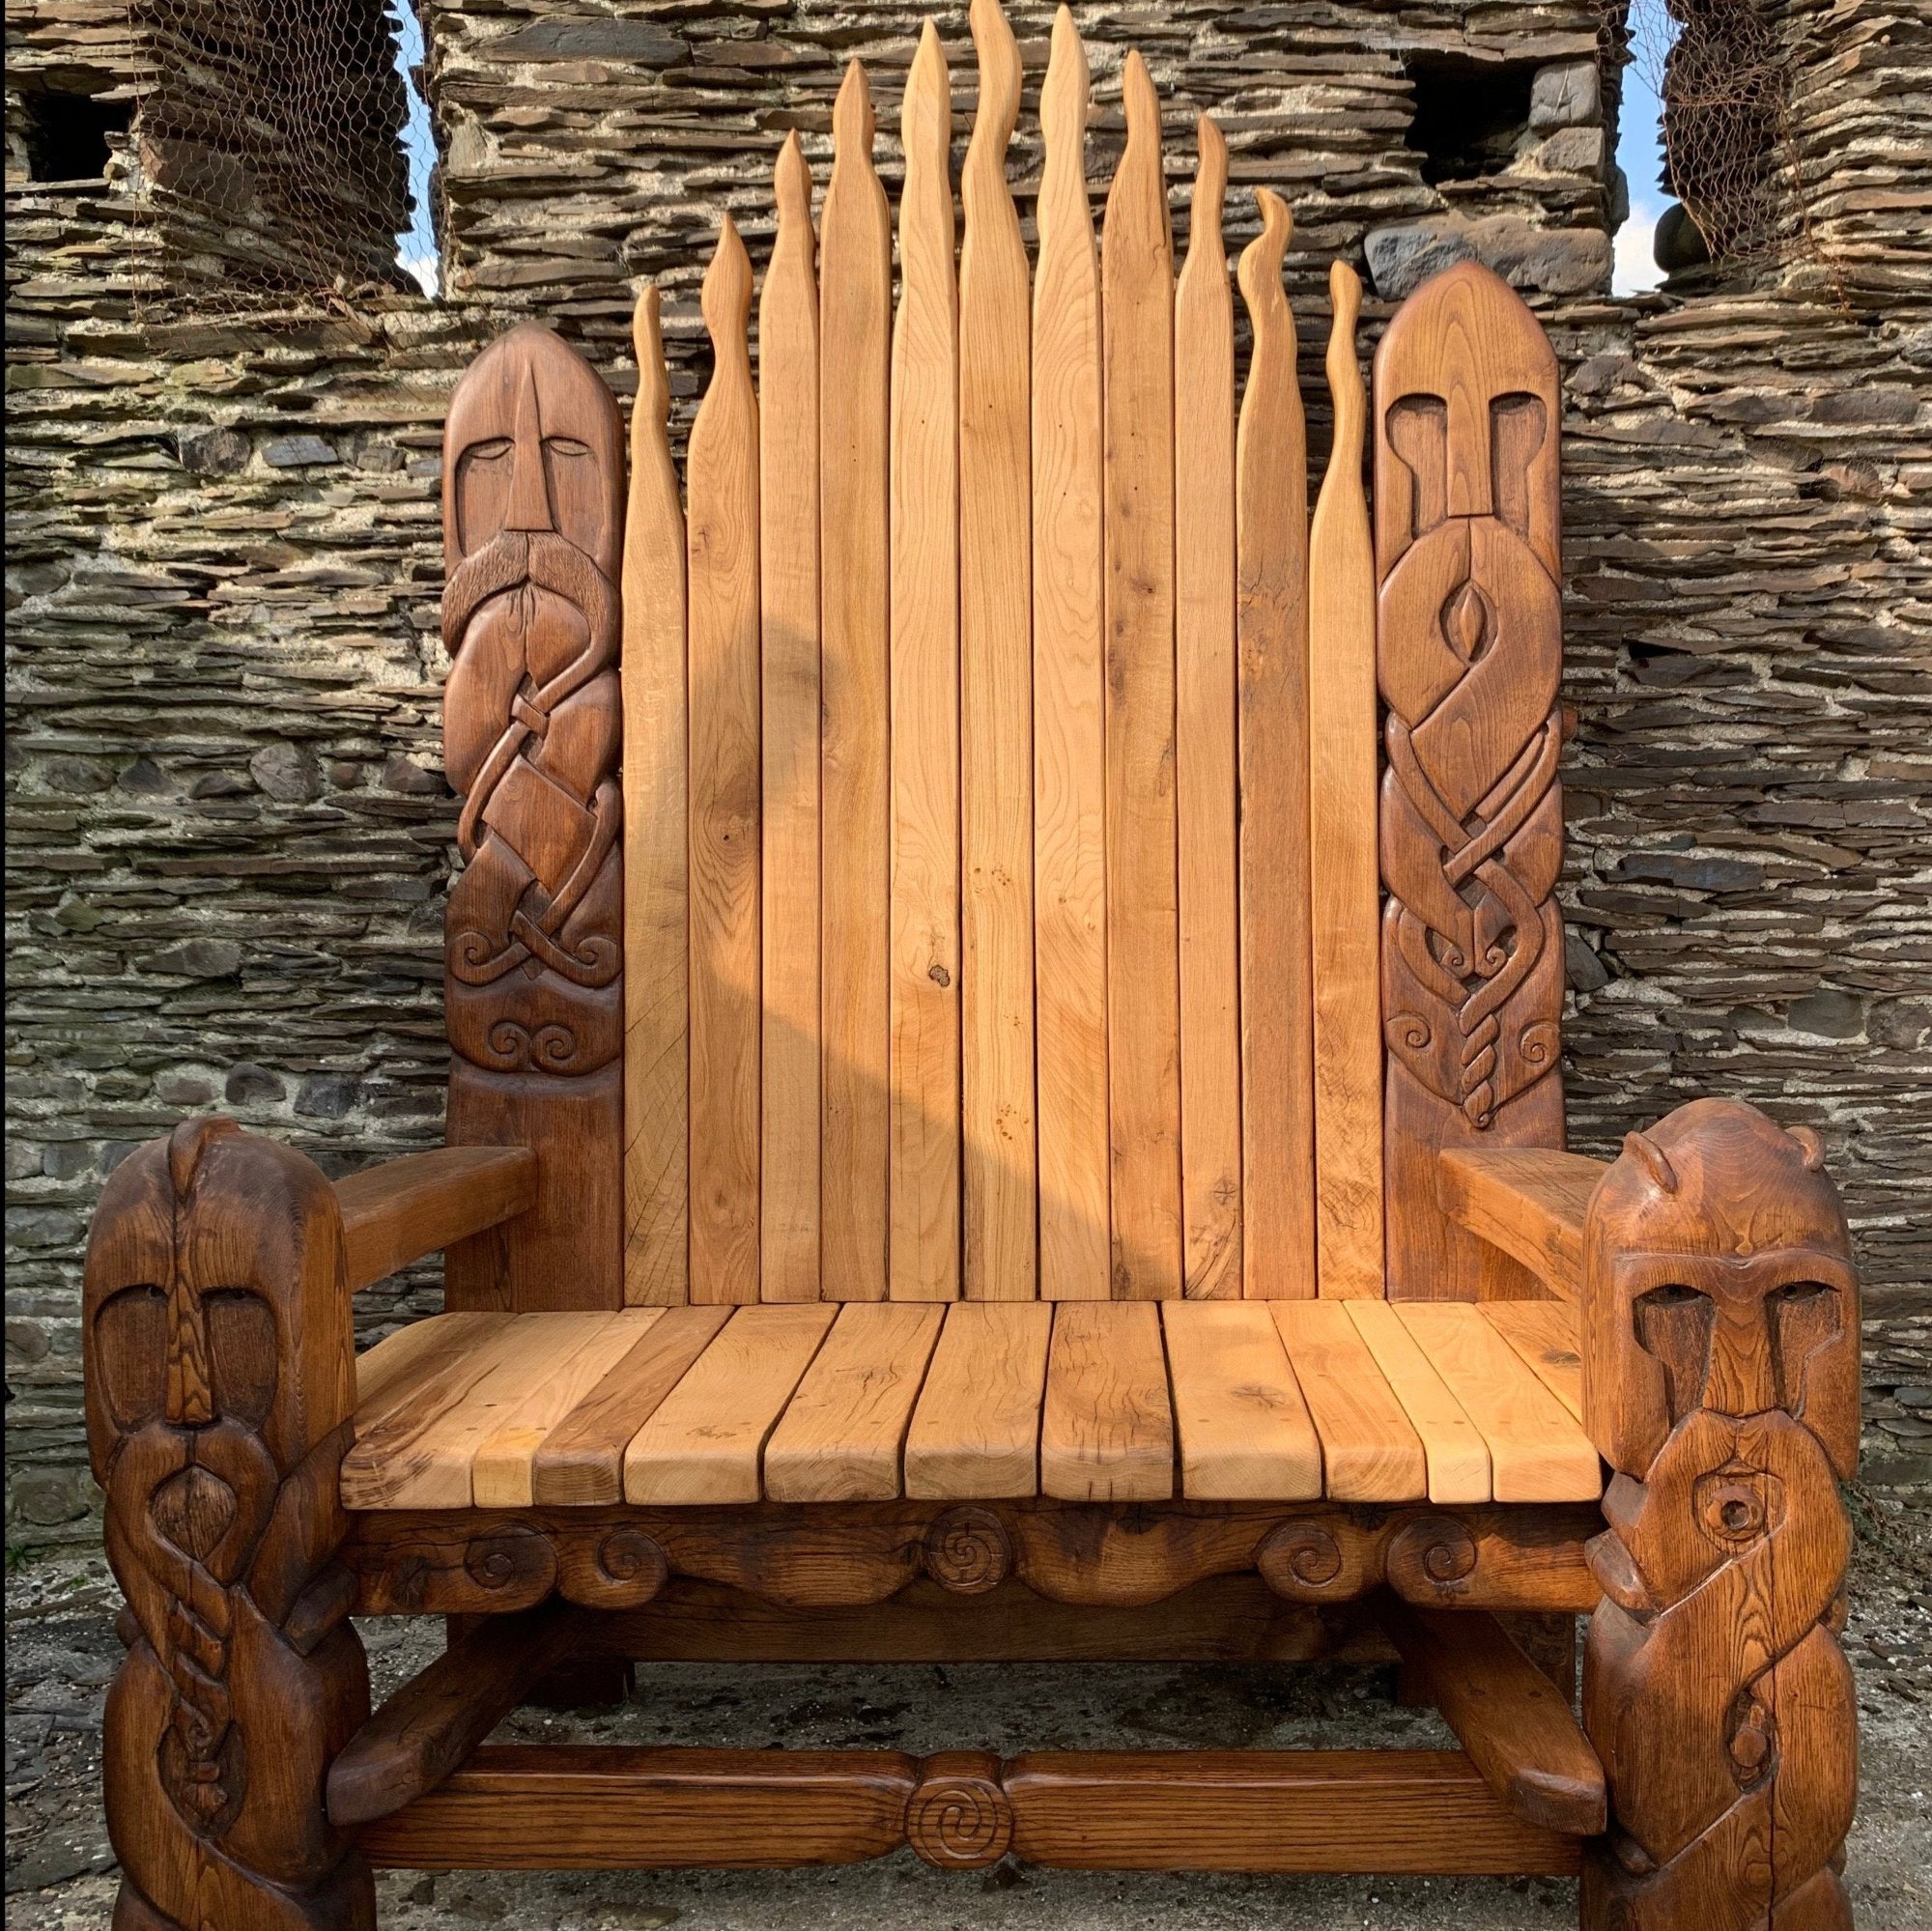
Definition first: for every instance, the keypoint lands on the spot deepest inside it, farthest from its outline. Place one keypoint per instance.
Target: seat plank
(1544, 1334)
(389, 1372)
(1204, 583)
(1244, 1427)
(996, 695)
(1368, 1448)
(706, 1440)
(1070, 743)
(1527, 1201)
(923, 1257)
(722, 561)
(657, 1046)
(975, 1431)
(1538, 1452)
(1277, 1027)
(789, 724)
(582, 1460)
(1457, 1456)
(1106, 1432)
(1345, 909)
(389, 1436)
(424, 1456)
(841, 1436)
(1143, 928)
(854, 332)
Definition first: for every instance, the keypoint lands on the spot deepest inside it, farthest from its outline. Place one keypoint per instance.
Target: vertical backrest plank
(1469, 642)
(923, 1253)
(656, 1042)
(1271, 510)
(722, 576)
(788, 592)
(1143, 928)
(995, 696)
(1069, 744)
(1203, 580)
(1345, 885)
(855, 332)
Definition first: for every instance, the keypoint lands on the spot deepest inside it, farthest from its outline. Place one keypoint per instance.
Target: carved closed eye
(566, 446)
(491, 451)
(1674, 1326)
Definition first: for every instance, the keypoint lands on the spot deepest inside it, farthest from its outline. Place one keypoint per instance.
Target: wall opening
(1470, 115)
(71, 136)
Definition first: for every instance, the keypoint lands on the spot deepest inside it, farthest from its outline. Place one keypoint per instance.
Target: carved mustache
(514, 557)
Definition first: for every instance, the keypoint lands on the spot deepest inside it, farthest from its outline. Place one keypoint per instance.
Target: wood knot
(968, 1550)
(960, 1817)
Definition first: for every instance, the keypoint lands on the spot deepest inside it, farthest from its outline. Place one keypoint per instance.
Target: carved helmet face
(1712, 1290)
(532, 444)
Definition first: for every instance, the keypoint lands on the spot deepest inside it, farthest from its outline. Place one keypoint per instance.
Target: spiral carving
(1306, 1562)
(1431, 1557)
(968, 1552)
(623, 1570)
(960, 1817)
(1721, 1318)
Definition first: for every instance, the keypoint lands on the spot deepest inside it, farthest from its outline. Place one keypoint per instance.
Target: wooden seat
(1105, 1401)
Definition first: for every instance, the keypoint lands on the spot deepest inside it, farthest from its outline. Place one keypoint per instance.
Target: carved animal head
(1716, 1277)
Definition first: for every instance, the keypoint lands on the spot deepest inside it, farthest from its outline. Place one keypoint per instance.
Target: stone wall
(228, 827)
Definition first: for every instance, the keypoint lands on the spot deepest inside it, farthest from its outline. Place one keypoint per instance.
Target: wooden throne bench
(1004, 994)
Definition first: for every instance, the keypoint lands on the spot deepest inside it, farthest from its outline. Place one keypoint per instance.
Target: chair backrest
(996, 911)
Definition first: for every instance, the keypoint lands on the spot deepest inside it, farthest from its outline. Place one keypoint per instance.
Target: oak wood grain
(1243, 1423)
(1529, 1202)
(403, 1210)
(1106, 1431)
(1457, 1456)
(1370, 1451)
(974, 1432)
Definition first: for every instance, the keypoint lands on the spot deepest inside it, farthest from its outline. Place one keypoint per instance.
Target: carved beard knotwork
(1472, 834)
(532, 716)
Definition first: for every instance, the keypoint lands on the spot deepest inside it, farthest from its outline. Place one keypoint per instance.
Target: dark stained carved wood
(959, 1818)
(844, 1554)
(219, 1366)
(434, 1722)
(1720, 1323)
(1506, 1714)
(397, 1212)
(534, 997)
(1469, 651)
(558, 1807)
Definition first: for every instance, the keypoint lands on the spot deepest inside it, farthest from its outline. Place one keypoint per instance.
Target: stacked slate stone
(229, 832)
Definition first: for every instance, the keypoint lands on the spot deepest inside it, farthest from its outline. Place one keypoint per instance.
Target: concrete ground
(61, 1651)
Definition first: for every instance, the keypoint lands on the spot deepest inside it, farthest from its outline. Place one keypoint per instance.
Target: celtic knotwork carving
(1721, 1328)
(960, 1817)
(218, 1371)
(968, 1550)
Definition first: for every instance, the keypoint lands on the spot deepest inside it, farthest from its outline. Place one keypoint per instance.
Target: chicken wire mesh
(271, 148)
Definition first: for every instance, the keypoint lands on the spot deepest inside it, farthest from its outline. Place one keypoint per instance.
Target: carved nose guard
(190, 1390)
(529, 488)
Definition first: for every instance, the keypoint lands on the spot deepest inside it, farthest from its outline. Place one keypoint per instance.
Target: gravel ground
(61, 1651)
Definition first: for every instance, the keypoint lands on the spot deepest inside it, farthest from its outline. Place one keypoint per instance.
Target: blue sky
(1640, 150)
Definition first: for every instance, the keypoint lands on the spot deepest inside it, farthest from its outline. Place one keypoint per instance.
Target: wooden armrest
(403, 1210)
(1527, 1201)
(1517, 1730)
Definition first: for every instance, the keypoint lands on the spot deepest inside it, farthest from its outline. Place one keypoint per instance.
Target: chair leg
(1721, 1322)
(219, 1364)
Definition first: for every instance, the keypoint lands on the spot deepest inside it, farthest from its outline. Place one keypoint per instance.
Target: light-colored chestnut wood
(1370, 1450)
(842, 1431)
(389, 1372)
(974, 1432)
(657, 1044)
(722, 549)
(403, 1210)
(1457, 1456)
(1544, 1334)
(1242, 1423)
(1528, 1202)
(789, 724)
(1106, 1430)
(706, 1440)
(1204, 790)
(1001, 1192)
(854, 348)
(1142, 928)
(1069, 729)
(923, 1257)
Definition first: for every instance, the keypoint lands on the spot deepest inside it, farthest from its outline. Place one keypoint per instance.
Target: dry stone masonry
(228, 828)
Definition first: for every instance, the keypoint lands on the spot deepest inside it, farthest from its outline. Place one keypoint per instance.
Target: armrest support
(403, 1210)
(1529, 1202)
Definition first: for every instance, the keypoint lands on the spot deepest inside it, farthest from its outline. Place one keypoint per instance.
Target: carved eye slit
(1674, 1326)
(1516, 432)
(1418, 432)
(1804, 1317)
(131, 1339)
(242, 1353)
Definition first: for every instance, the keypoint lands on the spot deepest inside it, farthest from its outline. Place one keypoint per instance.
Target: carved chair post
(1720, 1338)
(220, 1379)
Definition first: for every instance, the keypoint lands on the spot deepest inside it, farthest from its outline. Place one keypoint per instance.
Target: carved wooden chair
(986, 1120)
